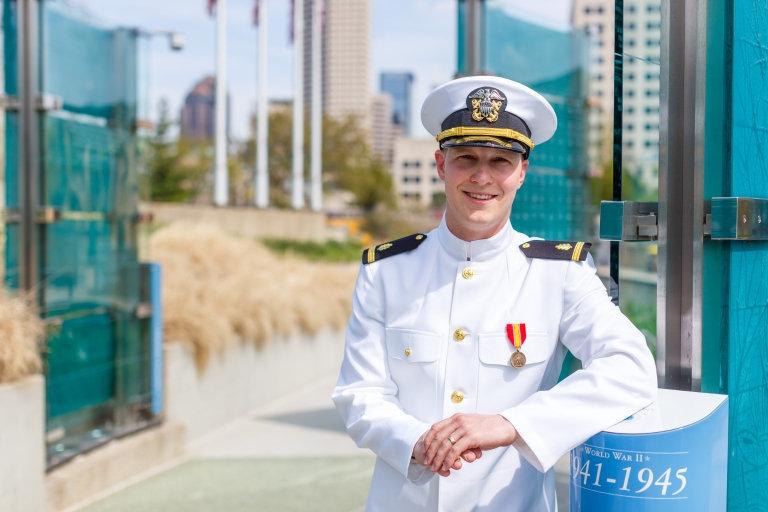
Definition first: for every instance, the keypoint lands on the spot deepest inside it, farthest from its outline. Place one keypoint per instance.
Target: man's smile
(480, 197)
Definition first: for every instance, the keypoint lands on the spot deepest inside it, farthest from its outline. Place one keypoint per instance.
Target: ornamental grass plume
(218, 287)
(21, 330)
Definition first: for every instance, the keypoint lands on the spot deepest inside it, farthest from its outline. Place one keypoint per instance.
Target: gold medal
(517, 359)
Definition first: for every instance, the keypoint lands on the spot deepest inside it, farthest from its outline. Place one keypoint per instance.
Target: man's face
(480, 186)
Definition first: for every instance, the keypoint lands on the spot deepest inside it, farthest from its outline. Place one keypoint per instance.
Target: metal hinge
(10, 216)
(629, 221)
(731, 218)
(143, 310)
(739, 218)
(47, 215)
(44, 102)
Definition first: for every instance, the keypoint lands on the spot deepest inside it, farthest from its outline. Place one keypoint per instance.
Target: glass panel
(9, 184)
(640, 156)
(553, 203)
(98, 363)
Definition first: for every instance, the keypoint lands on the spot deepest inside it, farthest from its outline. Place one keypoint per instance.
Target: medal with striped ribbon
(516, 335)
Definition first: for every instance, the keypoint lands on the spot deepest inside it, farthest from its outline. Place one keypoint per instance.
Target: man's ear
(440, 161)
(523, 168)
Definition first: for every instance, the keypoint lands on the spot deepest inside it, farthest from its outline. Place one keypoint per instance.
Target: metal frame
(29, 141)
(618, 121)
(681, 194)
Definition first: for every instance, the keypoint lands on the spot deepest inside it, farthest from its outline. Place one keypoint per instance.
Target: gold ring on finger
(452, 440)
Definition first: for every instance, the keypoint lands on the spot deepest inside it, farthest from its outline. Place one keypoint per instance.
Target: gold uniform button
(468, 273)
(407, 352)
(457, 397)
(459, 334)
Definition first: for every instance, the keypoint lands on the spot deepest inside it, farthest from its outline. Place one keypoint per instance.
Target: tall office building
(346, 58)
(382, 129)
(642, 46)
(399, 85)
(199, 111)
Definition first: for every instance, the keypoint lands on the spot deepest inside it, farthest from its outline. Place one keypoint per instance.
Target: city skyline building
(642, 47)
(414, 173)
(399, 86)
(346, 58)
(382, 128)
(198, 114)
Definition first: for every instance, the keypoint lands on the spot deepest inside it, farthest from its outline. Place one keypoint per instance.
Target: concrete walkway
(293, 455)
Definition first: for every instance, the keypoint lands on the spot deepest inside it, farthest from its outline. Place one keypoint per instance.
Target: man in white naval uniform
(429, 382)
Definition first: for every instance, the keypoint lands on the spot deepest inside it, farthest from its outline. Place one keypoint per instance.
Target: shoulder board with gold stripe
(392, 248)
(553, 250)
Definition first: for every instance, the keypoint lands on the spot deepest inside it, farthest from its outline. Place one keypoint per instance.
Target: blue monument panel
(645, 467)
(746, 311)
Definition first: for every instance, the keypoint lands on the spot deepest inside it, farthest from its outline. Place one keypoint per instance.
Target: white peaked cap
(522, 101)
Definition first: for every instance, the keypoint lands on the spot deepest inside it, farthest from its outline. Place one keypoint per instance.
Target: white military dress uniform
(427, 340)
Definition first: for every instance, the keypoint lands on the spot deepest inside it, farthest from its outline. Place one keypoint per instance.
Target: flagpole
(221, 185)
(262, 114)
(317, 106)
(297, 196)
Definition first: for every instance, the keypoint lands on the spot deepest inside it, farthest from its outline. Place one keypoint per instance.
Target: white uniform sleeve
(366, 396)
(618, 379)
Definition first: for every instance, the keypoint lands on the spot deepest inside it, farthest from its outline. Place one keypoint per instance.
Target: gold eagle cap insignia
(564, 247)
(384, 247)
(486, 104)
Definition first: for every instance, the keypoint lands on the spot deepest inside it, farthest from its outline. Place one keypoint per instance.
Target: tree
(347, 160)
(176, 168)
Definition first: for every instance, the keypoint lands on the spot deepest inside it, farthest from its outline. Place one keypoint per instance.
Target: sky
(406, 35)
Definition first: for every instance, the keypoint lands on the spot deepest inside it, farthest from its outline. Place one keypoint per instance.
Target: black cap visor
(483, 141)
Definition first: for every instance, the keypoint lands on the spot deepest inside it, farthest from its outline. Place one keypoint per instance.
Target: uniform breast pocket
(413, 357)
(502, 386)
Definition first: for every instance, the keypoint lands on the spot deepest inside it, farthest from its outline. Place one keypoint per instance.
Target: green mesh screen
(91, 283)
(549, 206)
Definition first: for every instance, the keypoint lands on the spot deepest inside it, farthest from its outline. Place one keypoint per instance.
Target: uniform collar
(478, 250)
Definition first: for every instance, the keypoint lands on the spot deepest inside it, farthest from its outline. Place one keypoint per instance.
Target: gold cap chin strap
(507, 133)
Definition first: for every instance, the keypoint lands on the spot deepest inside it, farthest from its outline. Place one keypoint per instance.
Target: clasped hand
(471, 435)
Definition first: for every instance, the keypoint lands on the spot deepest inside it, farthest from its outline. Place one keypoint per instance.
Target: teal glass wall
(9, 233)
(91, 283)
(746, 263)
(553, 202)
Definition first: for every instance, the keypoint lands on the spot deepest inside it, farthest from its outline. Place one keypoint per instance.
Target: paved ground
(291, 456)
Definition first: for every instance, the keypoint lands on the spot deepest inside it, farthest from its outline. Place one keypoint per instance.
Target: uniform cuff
(528, 443)
(418, 474)
(410, 439)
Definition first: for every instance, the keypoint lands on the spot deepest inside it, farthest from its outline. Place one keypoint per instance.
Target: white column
(262, 115)
(221, 178)
(297, 195)
(317, 106)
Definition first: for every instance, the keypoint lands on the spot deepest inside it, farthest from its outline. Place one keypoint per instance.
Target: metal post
(221, 177)
(618, 120)
(474, 32)
(29, 127)
(297, 195)
(681, 194)
(262, 114)
(317, 106)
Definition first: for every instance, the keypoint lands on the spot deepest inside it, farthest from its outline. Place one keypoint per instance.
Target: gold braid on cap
(460, 131)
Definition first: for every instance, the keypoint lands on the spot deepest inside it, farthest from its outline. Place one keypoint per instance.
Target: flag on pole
(211, 4)
(256, 13)
(290, 22)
